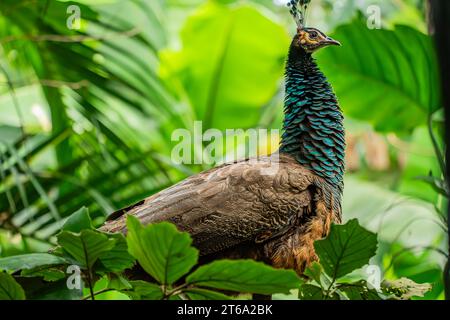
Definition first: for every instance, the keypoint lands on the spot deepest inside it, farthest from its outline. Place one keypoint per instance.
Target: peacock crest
(298, 10)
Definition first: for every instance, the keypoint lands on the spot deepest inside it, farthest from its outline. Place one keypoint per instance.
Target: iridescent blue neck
(313, 130)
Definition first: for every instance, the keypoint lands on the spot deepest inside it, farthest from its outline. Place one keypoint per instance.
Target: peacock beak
(331, 42)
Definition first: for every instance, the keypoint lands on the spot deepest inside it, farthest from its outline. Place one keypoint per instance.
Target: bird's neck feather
(313, 129)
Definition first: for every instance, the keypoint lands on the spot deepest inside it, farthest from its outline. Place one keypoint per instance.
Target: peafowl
(246, 210)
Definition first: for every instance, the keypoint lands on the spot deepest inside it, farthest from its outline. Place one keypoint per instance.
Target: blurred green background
(86, 115)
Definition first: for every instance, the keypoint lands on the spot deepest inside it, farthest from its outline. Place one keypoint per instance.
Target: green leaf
(389, 69)
(38, 289)
(78, 221)
(144, 291)
(118, 282)
(117, 259)
(244, 276)
(310, 292)
(347, 247)
(48, 274)
(359, 291)
(203, 294)
(314, 271)
(30, 261)
(85, 247)
(9, 288)
(217, 40)
(162, 251)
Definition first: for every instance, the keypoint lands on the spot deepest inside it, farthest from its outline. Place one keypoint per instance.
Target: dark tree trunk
(440, 23)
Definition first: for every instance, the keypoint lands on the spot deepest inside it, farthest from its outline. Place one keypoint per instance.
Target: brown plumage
(271, 209)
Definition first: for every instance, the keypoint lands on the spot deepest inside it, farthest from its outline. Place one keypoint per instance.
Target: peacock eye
(313, 35)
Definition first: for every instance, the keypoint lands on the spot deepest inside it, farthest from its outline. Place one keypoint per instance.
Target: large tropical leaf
(385, 77)
(230, 63)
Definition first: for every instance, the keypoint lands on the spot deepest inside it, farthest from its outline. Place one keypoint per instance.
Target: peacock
(273, 209)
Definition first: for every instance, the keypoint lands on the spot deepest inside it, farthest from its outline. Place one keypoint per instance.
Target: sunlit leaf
(347, 247)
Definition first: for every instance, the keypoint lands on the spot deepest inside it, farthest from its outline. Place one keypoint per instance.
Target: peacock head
(309, 39)
(312, 39)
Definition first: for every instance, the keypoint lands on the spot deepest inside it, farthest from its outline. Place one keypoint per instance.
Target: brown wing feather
(222, 207)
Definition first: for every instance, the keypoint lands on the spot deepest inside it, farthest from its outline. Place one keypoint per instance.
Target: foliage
(9, 288)
(30, 261)
(163, 252)
(383, 62)
(227, 34)
(98, 162)
(168, 257)
(347, 248)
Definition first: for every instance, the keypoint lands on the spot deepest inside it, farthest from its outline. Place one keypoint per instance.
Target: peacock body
(272, 209)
